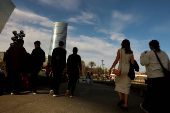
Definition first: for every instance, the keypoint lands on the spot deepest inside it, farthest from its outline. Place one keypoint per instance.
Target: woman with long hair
(123, 82)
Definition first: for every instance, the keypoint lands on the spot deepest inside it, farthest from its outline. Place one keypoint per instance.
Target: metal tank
(59, 34)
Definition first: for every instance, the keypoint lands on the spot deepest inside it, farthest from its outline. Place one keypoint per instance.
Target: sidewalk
(95, 98)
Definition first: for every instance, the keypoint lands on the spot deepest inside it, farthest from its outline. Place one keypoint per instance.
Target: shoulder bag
(165, 71)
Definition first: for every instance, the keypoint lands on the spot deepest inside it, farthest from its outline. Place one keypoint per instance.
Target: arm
(132, 60)
(144, 59)
(65, 61)
(52, 58)
(80, 66)
(68, 63)
(44, 56)
(116, 60)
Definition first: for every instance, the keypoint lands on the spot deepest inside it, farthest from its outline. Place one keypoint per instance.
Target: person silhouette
(73, 66)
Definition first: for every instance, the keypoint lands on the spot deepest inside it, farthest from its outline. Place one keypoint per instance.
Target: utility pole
(103, 67)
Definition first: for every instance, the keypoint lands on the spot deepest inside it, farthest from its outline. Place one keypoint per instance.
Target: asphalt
(95, 98)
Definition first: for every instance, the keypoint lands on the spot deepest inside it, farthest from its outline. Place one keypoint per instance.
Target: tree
(82, 63)
(91, 64)
(106, 71)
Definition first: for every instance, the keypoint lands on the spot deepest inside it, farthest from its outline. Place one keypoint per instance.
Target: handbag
(165, 71)
(116, 71)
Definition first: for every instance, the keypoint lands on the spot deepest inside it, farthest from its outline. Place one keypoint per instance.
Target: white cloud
(87, 18)
(71, 28)
(121, 21)
(32, 34)
(93, 49)
(117, 36)
(113, 35)
(30, 17)
(66, 4)
(123, 17)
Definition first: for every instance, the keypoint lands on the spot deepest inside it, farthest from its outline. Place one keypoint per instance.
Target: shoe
(72, 96)
(31, 92)
(124, 108)
(12, 93)
(121, 102)
(143, 108)
(56, 95)
(34, 93)
(67, 93)
(51, 92)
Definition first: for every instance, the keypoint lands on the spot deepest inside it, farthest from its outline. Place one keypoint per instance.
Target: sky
(96, 27)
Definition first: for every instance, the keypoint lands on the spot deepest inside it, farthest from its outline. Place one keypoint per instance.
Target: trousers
(156, 94)
(34, 79)
(14, 81)
(72, 83)
(56, 80)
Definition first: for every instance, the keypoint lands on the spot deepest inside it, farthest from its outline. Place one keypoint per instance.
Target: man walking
(73, 67)
(14, 63)
(37, 58)
(58, 64)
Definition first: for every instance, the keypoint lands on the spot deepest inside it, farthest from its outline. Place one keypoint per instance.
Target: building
(6, 9)
(59, 33)
(46, 60)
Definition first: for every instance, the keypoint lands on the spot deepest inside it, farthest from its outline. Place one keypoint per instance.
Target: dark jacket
(27, 64)
(73, 64)
(58, 60)
(37, 58)
(132, 70)
(15, 56)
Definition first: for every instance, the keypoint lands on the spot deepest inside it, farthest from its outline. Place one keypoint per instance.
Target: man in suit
(58, 64)
(73, 67)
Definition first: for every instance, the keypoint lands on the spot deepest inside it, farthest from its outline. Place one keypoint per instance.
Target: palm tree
(91, 64)
(82, 63)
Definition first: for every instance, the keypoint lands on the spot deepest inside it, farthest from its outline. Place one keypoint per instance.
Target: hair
(61, 43)
(37, 42)
(126, 44)
(75, 49)
(155, 45)
(19, 41)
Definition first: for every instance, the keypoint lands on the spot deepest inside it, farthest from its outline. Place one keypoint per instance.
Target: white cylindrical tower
(59, 34)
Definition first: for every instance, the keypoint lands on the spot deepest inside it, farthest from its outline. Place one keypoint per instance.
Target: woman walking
(88, 77)
(123, 82)
(156, 97)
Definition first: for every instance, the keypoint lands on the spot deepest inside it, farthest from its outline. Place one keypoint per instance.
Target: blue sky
(96, 27)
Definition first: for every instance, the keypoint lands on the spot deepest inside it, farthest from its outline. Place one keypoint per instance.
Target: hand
(80, 72)
(146, 52)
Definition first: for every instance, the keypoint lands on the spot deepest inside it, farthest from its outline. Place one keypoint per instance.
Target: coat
(132, 70)
(37, 59)
(73, 65)
(58, 61)
(15, 56)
